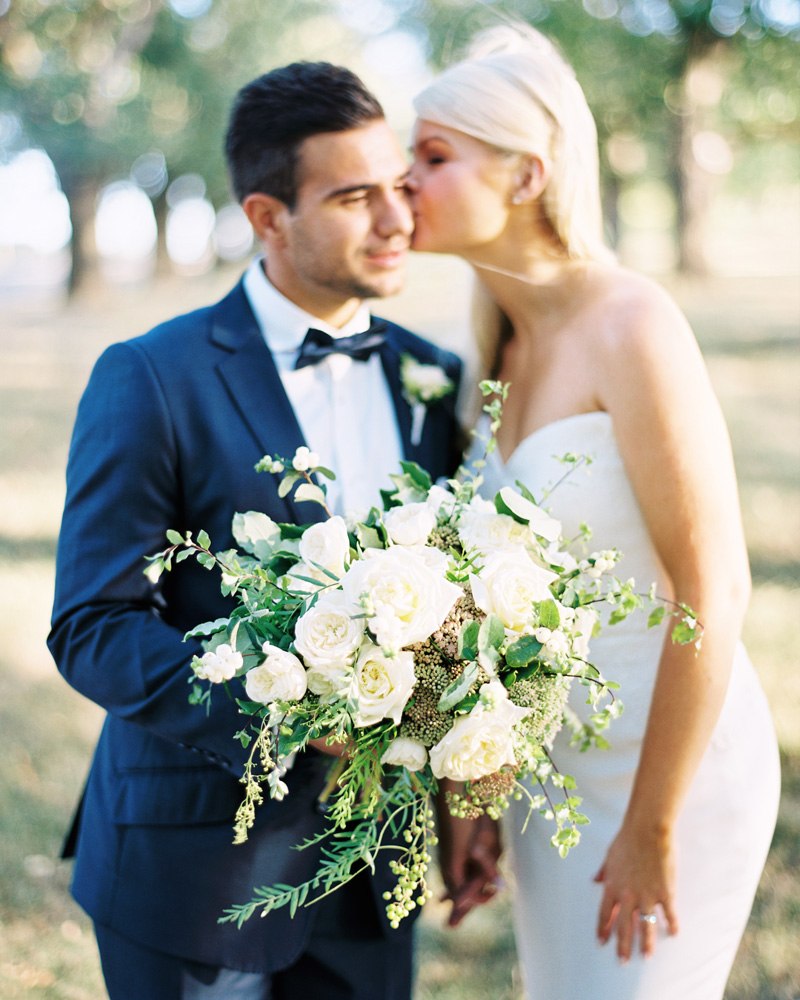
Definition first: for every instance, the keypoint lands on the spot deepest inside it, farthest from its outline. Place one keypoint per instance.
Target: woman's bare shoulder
(630, 313)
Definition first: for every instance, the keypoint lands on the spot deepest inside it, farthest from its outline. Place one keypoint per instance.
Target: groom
(167, 434)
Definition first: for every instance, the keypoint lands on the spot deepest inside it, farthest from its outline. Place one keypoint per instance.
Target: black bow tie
(319, 345)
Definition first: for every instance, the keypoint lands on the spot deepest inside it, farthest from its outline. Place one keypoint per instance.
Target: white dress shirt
(344, 407)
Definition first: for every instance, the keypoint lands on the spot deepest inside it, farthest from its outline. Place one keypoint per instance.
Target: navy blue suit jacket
(167, 434)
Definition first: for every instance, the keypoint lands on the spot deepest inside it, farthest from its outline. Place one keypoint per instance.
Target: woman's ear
(267, 216)
(531, 180)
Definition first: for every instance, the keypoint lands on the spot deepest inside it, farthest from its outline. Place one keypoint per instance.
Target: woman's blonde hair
(516, 92)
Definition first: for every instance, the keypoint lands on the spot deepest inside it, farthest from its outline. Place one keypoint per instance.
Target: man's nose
(395, 215)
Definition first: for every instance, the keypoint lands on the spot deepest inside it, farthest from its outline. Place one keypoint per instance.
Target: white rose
(400, 584)
(330, 681)
(256, 533)
(482, 504)
(483, 741)
(488, 531)
(410, 524)
(508, 586)
(218, 665)
(388, 630)
(381, 685)
(540, 521)
(304, 459)
(281, 677)
(326, 544)
(327, 634)
(407, 753)
(441, 500)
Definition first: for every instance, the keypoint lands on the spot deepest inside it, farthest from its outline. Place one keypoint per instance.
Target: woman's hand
(638, 875)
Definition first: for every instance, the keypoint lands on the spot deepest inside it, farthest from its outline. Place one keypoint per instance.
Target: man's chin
(384, 287)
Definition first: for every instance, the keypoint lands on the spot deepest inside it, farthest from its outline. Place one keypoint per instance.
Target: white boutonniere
(422, 385)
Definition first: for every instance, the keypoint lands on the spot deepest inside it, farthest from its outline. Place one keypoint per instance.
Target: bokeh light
(34, 212)
(233, 234)
(126, 234)
(189, 235)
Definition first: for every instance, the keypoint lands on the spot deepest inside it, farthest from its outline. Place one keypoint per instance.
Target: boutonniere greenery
(422, 385)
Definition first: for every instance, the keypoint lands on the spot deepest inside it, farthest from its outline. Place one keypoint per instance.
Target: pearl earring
(516, 199)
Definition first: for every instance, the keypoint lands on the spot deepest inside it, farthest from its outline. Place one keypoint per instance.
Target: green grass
(748, 330)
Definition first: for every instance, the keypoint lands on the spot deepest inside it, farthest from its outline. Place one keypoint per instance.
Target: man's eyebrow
(359, 188)
(351, 189)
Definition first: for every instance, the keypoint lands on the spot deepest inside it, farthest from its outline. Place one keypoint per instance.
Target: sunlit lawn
(749, 332)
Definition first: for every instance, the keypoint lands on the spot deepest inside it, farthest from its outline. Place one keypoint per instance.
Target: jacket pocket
(175, 796)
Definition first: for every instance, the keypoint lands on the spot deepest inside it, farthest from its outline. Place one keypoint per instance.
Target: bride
(601, 362)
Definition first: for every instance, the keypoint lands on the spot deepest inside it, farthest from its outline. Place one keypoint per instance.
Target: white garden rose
(488, 532)
(539, 520)
(407, 753)
(330, 681)
(440, 499)
(410, 524)
(281, 677)
(326, 544)
(256, 533)
(327, 633)
(508, 586)
(483, 741)
(381, 685)
(399, 583)
(218, 665)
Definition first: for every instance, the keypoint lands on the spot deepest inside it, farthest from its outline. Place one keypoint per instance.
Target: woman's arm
(677, 454)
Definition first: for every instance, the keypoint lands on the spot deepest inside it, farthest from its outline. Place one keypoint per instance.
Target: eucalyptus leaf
(522, 652)
(286, 484)
(207, 628)
(456, 690)
(491, 634)
(310, 492)
(417, 475)
(468, 641)
(175, 537)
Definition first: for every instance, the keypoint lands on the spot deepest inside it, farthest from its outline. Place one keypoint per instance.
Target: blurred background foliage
(688, 94)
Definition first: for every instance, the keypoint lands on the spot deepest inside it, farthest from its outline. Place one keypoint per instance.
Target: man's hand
(468, 854)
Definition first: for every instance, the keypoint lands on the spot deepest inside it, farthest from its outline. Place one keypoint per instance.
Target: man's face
(347, 236)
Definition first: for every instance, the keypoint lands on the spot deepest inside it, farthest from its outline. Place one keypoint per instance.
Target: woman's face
(461, 190)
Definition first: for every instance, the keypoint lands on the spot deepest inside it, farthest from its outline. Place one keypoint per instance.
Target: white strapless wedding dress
(728, 818)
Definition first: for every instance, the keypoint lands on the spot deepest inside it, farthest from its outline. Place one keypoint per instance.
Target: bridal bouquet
(437, 637)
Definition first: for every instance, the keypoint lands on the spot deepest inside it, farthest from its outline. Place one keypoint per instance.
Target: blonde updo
(515, 91)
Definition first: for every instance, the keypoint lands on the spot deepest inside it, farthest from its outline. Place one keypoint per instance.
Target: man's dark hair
(274, 113)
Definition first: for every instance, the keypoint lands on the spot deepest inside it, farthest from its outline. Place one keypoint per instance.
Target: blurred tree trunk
(693, 185)
(81, 193)
(611, 195)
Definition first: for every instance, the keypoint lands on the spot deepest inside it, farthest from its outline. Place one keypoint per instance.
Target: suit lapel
(390, 359)
(424, 452)
(252, 380)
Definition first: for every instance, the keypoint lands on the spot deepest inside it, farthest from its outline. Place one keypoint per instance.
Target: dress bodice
(597, 493)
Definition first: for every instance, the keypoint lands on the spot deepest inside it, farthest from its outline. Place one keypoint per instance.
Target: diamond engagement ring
(648, 918)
